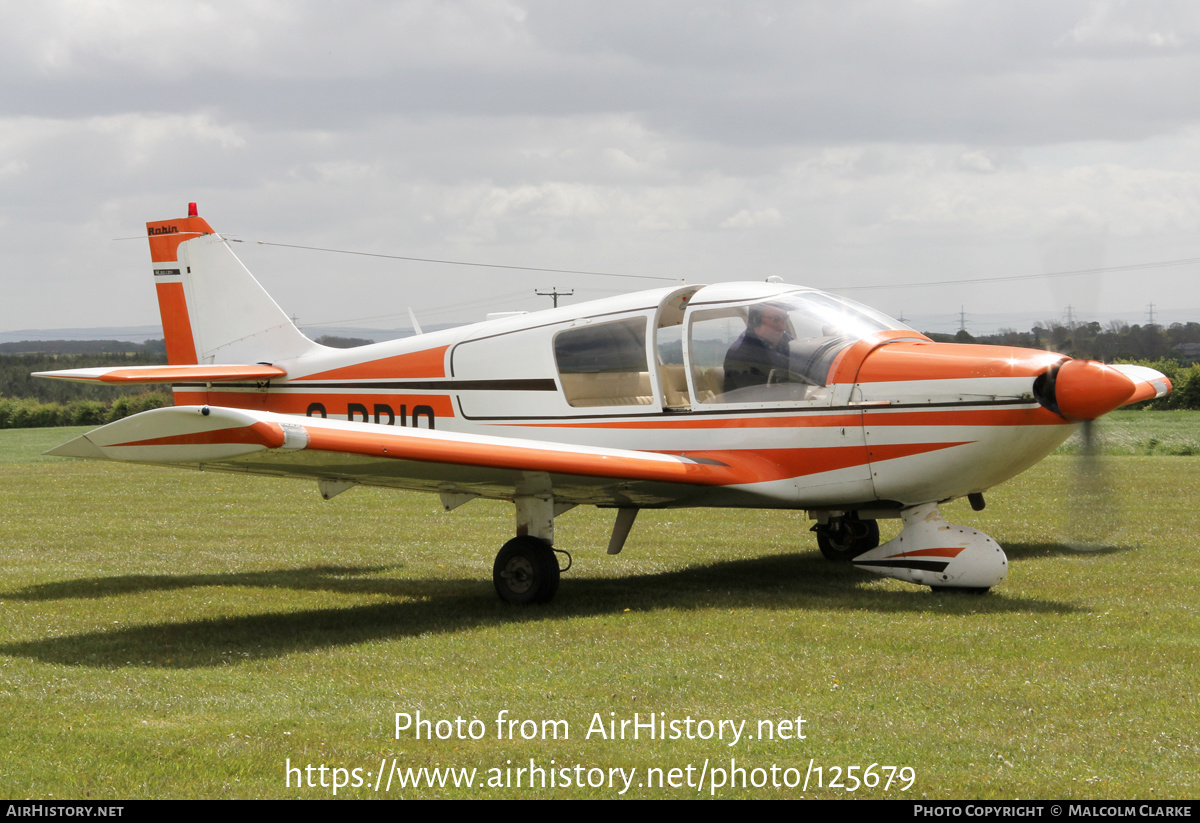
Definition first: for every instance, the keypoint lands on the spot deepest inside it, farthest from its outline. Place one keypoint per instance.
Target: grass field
(1121, 433)
(177, 634)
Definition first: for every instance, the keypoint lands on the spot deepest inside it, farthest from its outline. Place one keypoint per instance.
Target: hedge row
(27, 413)
(1185, 382)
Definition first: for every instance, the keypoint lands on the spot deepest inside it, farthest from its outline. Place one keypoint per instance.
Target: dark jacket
(751, 359)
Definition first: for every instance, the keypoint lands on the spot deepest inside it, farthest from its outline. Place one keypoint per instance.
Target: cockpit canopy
(778, 348)
(666, 350)
(745, 343)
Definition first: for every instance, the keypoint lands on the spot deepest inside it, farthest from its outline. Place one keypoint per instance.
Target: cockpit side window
(605, 364)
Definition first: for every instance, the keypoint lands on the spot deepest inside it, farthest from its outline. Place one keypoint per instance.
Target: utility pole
(962, 318)
(554, 293)
(1150, 315)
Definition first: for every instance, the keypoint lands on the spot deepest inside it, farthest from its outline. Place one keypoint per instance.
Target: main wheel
(526, 571)
(846, 538)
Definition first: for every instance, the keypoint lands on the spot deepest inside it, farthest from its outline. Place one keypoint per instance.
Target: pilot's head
(768, 321)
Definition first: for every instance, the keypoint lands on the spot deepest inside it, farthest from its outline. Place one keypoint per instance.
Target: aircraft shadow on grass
(1029, 551)
(435, 606)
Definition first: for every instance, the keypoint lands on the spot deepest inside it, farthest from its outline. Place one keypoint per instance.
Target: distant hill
(122, 338)
(84, 347)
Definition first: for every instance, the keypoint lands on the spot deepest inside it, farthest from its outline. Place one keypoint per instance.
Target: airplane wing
(1147, 382)
(167, 374)
(217, 438)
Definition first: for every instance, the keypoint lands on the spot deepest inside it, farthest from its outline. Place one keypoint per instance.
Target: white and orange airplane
(736, 395)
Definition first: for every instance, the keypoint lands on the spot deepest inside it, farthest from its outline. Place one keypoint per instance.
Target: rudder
(212, 308)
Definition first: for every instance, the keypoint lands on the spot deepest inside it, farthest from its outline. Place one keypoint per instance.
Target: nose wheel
(844, 538)
(526, 571)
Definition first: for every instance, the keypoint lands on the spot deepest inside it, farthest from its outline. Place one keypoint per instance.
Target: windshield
(776, 349)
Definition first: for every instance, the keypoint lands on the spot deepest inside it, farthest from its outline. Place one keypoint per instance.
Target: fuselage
(869, 415)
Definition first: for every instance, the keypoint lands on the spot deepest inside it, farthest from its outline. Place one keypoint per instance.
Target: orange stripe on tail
(177, 326)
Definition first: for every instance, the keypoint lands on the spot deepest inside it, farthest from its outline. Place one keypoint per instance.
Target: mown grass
(176, 634)
(1174, 433)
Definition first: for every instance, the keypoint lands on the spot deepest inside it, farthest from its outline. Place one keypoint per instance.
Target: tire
(526, 571)
(843, 540)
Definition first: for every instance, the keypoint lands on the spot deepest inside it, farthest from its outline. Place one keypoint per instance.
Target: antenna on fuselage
(416, 326)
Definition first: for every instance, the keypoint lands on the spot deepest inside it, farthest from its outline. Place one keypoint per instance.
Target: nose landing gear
(844, 538)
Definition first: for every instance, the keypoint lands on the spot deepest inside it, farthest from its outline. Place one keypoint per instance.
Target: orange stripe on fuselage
(676, 422)
(177, 326)
(336, 405)
(760, 465)
(428, 363)
(875, 416)
(878, 416)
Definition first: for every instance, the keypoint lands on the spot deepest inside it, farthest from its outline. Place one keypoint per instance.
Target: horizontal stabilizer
(167, 374)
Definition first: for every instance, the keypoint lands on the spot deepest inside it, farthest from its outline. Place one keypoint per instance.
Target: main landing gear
(526, 571)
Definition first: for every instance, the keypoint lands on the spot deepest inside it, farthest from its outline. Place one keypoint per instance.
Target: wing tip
(79, 447)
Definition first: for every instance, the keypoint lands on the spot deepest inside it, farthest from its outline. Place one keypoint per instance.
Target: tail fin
(212, 308)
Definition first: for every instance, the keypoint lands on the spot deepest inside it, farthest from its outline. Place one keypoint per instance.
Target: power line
(464, 263)
(1131, 267)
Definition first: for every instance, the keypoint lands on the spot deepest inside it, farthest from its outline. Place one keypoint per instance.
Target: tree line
(1172, 350)
(30, 402)
(1118, 342)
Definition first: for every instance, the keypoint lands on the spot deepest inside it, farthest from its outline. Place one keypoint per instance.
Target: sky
(861, 147)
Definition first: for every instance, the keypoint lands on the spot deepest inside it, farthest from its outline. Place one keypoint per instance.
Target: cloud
(851, 142)
(745, 219)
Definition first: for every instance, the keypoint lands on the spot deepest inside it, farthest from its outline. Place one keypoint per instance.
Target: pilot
(760, 349)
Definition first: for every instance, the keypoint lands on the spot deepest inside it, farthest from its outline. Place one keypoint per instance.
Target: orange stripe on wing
(169, 375)
(519, 458)
(269, 435)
